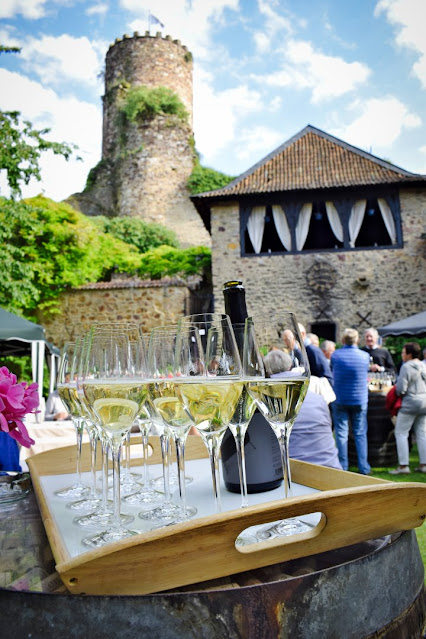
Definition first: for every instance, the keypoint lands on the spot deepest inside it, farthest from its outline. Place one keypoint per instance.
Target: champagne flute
(128, 479)
(146, 421)
(115, 389)
(165, 396)
(91, 502)
(145, 495)
(278, 383)
(209, 379)
(68, 394)
(166, 511)
(102, 515)
(246, 406)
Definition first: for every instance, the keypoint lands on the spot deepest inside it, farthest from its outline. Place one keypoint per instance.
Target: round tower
(147, 60)
(146, 158)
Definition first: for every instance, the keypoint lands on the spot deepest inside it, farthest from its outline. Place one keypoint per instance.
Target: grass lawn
(383, 473)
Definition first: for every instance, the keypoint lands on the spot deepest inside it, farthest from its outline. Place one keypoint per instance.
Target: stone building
(325, 229)
(146, 162)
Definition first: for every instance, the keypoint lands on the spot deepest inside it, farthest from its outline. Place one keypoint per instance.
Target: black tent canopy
(19, 337)
(412, 325)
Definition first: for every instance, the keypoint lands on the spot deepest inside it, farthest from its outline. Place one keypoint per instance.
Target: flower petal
(21, 435)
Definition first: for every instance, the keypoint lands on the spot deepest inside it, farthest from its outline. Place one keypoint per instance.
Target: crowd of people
(320, 433)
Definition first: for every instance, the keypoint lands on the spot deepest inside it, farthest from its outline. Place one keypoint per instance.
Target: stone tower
(146, 162)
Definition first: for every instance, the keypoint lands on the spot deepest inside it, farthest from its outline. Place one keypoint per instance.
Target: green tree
(203, 179)
(21, 147)
(49, 247)
(132, 230)
(167, 261)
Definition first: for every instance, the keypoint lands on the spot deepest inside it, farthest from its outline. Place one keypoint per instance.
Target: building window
(321, 226)
(269, 241)
(373, 230)
(320, 234)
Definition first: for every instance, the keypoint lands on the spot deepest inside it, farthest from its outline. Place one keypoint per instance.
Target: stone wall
(147, 303)
(359, 288)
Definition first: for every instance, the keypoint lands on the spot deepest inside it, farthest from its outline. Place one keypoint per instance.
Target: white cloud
(71, 121)
(409, 17)
(273, 24)
(217, 114)
(262, 41)
(275, 104)
(31, 9)
(8, 38)
(63, 58)
(379, 123)
(97, 9)
(328, 77)
(254, 140)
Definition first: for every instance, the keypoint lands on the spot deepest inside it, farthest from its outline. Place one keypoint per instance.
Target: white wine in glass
(166, 402)
(278, 382)
(115, 389)
(67, 389)
(209, 377)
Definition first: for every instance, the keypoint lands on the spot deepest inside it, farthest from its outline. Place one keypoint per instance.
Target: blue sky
(263, 70)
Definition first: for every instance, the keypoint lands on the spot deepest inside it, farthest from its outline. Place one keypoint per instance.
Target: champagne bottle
(262, 451)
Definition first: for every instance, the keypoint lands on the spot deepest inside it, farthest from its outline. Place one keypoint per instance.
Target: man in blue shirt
(350, 383)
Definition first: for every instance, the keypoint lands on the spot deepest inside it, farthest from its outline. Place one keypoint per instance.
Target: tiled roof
(313, 160)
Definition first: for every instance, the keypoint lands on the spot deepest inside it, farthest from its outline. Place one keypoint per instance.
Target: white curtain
(256, 226)
(281, 225)
(334, 220)
(302, 226)
(387, 218)
(355, 220)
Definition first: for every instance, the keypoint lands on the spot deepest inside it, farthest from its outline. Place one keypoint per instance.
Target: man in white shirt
(55, 409)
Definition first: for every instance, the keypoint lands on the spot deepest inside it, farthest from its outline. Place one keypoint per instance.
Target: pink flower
(16, 401)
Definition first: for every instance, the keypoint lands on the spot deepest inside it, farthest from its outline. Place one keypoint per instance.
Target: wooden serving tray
(353, 508)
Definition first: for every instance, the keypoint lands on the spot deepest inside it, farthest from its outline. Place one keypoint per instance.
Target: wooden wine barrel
(372, 589)
(381, 438)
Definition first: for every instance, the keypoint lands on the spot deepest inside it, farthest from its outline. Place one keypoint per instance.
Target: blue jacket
(318, 363)
(350, 375)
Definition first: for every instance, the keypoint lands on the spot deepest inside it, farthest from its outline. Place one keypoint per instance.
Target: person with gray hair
(350, 383)
(380, 359)
(328, 347)
(411, 386)
(276, 361)
(313, 338)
